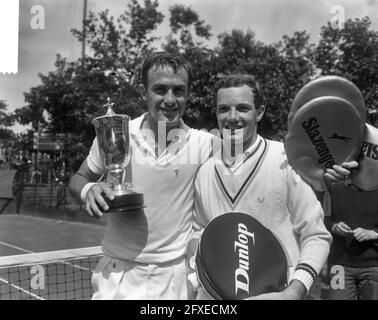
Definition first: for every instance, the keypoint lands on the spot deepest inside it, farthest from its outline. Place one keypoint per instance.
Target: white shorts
(126, 280)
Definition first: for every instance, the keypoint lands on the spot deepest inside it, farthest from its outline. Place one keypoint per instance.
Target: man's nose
(233, 115)
(169, 98)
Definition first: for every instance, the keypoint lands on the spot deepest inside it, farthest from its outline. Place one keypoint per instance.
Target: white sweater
(265, 186)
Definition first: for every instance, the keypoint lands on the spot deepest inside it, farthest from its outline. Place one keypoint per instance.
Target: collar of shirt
(232, 166)
(145, 140)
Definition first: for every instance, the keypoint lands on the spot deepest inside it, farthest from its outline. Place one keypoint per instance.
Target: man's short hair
(165, 59)
(238, 80)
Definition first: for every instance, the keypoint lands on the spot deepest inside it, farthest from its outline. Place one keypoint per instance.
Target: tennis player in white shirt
(144, 252)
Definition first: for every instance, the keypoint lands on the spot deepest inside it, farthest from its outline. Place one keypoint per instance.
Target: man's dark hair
(165, 59)
(238, 80)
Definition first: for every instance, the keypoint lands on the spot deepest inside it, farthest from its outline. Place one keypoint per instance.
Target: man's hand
(192, 245)
(192, 279)
(361, 234)
(94, 198)
(339, 173)
(342, 229)
(295, 291)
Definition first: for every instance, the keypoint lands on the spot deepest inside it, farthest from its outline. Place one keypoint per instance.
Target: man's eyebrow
(247, 104)
(165, 85)
(158, 86)
(181, 86)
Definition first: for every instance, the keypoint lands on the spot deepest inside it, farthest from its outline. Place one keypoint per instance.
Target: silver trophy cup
(113, 140)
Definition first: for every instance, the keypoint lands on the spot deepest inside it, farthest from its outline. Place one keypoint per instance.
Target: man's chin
(233, 139)
(172, 122)
(235, 136)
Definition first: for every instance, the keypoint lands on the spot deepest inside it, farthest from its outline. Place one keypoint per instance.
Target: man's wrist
(306, 275)
(296, 290)
(84, 191)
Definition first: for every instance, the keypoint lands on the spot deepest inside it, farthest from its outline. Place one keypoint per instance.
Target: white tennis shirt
(159, 234)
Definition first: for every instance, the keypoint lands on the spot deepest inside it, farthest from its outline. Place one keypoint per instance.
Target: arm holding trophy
(113, 145)
(84, 188)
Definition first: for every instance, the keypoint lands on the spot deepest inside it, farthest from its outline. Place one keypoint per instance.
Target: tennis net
(55, 275)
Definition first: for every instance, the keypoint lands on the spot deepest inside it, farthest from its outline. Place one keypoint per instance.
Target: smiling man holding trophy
(146, 236)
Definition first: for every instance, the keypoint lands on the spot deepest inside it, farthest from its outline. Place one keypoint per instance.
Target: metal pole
(84, 18)
(51, 193)
(37, 158)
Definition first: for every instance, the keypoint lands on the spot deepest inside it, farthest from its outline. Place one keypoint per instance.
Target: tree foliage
(188, 37)
(281, 68)
(6, 120)
(73, 93)
(351, 52)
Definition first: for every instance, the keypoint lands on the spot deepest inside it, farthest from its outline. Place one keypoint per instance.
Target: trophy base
(125, 202)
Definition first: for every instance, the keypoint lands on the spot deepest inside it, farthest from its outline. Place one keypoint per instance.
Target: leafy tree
(122, 44)
(188, 36)
(351, 52)
(187, 29)
(281, 69)
(73, 93)
(7, 136)
(5, 119)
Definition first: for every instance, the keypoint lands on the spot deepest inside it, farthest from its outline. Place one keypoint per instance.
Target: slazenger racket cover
(329, 86)
(366, 177)
(238, 257)
(325, 131)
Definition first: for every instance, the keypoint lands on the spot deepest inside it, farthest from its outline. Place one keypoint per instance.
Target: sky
(269, 19)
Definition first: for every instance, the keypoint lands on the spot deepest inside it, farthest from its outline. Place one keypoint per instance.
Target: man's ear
(260, 112)
(143, 92)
